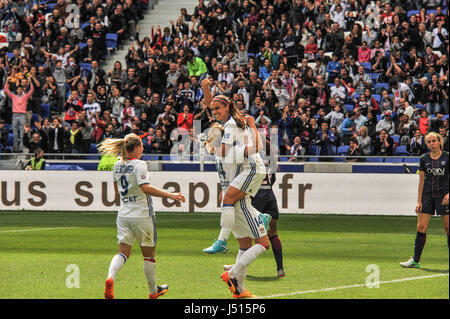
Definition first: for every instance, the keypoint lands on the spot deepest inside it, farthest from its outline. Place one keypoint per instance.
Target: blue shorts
(432, 205)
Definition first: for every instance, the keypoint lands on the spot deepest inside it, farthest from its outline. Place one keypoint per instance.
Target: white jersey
(129, 176)
(227, 172)
(235, 136)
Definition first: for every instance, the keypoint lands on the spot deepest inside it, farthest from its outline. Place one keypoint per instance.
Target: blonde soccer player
(239, 147)
(432, 194)
(136, 217)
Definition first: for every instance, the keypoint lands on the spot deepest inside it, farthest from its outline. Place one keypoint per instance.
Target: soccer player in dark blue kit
(432, 194)
(266, 202)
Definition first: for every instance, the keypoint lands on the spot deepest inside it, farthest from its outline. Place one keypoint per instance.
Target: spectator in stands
(185, 120)
(364, 141)
(417, 146)
(296, 150)
(361, 81)
(34, 139)
(401, 50)
(386, 123)
(348, 128)
(354, 151)
(19, 108)
(325, 141)
(444, 134)
(366, 102)
(384, 144)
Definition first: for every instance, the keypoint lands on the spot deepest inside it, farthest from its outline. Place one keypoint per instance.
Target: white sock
(116, 263)
(226, 222)
(241, 276)
(150, 273)
(247, 258)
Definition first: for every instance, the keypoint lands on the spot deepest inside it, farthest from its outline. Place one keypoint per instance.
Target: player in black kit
(266, 202)
(432, 194)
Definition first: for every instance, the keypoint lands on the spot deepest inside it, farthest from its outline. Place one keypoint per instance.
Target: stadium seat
(341, 150)
(445, 117)
(411, 12)
(420, 106)
(283, 159)
(396, 138)
(10, 140)
(45, 111)
(367, 66)
(401, 151)
(147, 158)
(412, 160)
(378, 87)
(84, 25)
(348, 107)
(374, 77)
(393, 160)
(93, 148)
(379, 117)
(431, 11)
(312, 150)
(81, 45)
(86, 66)
(377, 97)
(166, 158)
(111, 40)
(313, 159)
(374, 159)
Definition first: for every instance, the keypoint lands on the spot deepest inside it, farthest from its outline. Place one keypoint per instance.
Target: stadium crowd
(355, 77)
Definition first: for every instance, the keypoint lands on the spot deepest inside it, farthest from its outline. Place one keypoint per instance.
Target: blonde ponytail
(119, 146)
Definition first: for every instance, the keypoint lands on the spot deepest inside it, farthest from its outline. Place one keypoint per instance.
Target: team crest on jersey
(143, 177)
(227, 135)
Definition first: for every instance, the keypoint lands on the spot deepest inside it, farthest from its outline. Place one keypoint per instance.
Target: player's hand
(445, 201)
(419, 207)
(178, 197)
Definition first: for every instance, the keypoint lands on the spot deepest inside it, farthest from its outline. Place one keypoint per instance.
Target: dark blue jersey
(265, 191)
(436, 174)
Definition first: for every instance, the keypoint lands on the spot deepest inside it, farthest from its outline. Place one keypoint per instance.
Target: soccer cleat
(160, 290)
(266, 218)
(231, 282)
(244, 294)
(410, 264)
(109, 288)
(281, 273)
(227, 267)
(219, 246)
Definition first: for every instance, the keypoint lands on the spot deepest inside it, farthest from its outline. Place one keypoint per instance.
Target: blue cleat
(266, 218)
(219, 246)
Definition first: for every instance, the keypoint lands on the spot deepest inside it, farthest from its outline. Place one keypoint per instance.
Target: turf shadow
(256, 278)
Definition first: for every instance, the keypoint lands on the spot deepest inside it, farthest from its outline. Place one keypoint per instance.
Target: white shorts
(143, 229)
(247, 220)
(248, 181)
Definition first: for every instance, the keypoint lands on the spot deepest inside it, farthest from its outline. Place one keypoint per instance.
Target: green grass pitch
(325, 257)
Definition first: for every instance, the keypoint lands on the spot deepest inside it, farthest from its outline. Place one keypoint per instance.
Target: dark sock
(421, 238)
(277, 251)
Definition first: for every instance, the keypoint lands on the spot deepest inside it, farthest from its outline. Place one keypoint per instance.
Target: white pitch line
(34, 229)
(350, 286)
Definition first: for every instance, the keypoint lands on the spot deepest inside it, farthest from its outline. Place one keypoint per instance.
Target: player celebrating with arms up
(136, 217)
(432, 194)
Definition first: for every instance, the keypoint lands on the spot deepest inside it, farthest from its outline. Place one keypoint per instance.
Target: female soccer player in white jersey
(136, 217)
(239, 146)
